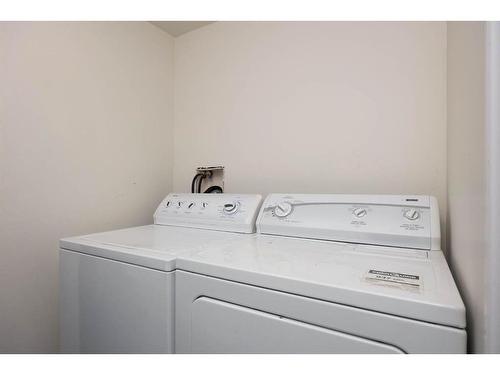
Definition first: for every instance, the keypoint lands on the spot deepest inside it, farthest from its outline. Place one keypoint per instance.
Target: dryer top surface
(411, 283)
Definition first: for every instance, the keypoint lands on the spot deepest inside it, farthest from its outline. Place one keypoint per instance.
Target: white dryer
(325, 274)
(117, 288)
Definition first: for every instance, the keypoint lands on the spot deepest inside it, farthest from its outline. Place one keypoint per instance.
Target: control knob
(411, 214)
(359, 212)
(283, 209)
(231, 208)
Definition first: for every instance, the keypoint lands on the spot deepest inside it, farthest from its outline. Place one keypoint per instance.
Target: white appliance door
(215, 315)
(221, 327)
(112, 307)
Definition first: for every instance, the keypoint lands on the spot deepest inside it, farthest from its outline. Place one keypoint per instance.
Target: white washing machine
(117, 288)
(325, 274)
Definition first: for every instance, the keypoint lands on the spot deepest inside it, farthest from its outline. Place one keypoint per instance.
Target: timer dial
(283, 209)
(231, 208)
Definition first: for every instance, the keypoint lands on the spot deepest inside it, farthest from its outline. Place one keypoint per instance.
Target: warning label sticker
(396, 280)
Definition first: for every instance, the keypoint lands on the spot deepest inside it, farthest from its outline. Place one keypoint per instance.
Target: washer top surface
(399, 281)
(153, 246)
(181, 222)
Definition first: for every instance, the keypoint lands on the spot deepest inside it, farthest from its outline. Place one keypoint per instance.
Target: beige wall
(86, 127)
(336, 107)
(85, 146)
(467, 170)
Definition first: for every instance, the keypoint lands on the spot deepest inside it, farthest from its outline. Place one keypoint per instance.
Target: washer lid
(404, 282)
(153, 246)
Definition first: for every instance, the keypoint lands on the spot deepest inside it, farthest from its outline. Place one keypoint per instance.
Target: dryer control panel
(225, 212)
(388, 220)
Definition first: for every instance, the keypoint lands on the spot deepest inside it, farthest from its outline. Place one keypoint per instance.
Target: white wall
(492, 120)
(85, 146)
(467, 170)
(338, 107)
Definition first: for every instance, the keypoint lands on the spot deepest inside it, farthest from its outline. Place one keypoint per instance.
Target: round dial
(231, 207)
(411, 214)
(283, 209)
(359, 212)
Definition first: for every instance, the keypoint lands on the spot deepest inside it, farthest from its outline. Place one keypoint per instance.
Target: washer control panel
(225, 212)
(388, 220)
